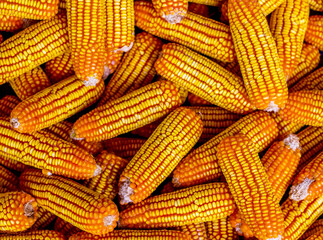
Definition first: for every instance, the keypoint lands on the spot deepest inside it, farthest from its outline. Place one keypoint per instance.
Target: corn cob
(310, 82)
(201, 165)
(314, 30)
(288, 24)
(35, 235)
(132, 71)
(159, 155)
(29, 83)
(120, 24)
(308, 61)
(220, 230)
(215, 3)
(210, 37)
(12, 164)
(304, 107)
(203, 77)
(106, 183)
(111, 63)
(44, 218)
(71, 201)
(231, 67)
(18, 211)
(197, 101)
(172, 11)
(316, 5)
(238, 159)
(54, 104)
(260, 65)
(200, 203)
(65, 227)
(200, 9)
(299, 216)
(127, 113)
(7, 103)
(196, 231)
(8, 181)
(148, 129)
(316, 227)
(60, 67)
(224, 12)
(168, 187)
(46, 151)
(1, 38)
(38, 42)
(316, 236)
(10, 23)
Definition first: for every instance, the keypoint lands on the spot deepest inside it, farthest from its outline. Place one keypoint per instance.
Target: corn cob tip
(29, 210)
(91, 81)
(73, 135)
(292, 141)
(97, 171)
(125, 48)
(300, 191)
(14, 123)
(106, 72)
(272, 107)
(125, 191)
(174, 18)
(109, 220)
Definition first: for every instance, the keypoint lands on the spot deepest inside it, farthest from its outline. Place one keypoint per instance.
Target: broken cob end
(125, 191)
(292, 141)
(300, 191)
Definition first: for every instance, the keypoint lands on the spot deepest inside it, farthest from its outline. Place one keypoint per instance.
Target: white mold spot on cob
(109, 220)
(73, 135)
(300, 191)
(292, 141)
(125, 48)
(174, 18)
(91, 81)
(14, 123)
(272, 107)
(125, 192)
(97, 171)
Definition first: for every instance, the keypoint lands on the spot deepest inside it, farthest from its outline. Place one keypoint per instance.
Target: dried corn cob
(201, 165)
(54, 104)
(8, 181)
(106, 183)
(148, 129)
(304, 107)
(316, 5)
(214, 3)
(60, 67)
(10, 23)
(203, 77)
(18, 211)
(260, 65)
(46, 151)
(196, 231)
(220, 230)
(310, 82)
(159, 155)
(65, 228)
(86, 33)
(44, 218)
(314, 30)
(231, 67)
(127, 113)
(197, 101)
(35, 9)
(132, 71)
(7, 103)
(111, 63)
(67, 199)
(238, 158)
(316, 236)
(210, 37)
(200, 9)
(200, 203)
(172, 11)
(35, 235)
(224, 12)
(29, 83)
(38, 42)
(288, 24)
(316, 227)
(12, 164)
(308, 61)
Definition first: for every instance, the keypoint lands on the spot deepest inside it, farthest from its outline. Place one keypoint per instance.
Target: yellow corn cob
(86, 32)
(111, 63)
(250, 188)
(196, 231)
(214, 3)
(54, 104)
(32, 47)
(200, 203)
(173, 11)
(310, 82)
(127, 113)
(314, 31)
(71, 201)
(316, 227)
(107, 182)
(299, 216)
(200, 9)
(316, 236)
(220, 230)
(62, 4)
(260, 65)
(288, 24)
(12, 164)
(29, 83)
(10, 23)
(35, 235)
(35, 9)
(203, 77)
(18, 211)
(159, 155)
(316, 5)
(65, 228)
(120, 23)
(197, 101)
(134, 68)
(7, 103)
(60, 67)
(304, 107)
(308, 61)
(202, 34)
(44, 218)
(267, 6)
(8, 181)
(46, 151)
(201, 165)
(123, 147)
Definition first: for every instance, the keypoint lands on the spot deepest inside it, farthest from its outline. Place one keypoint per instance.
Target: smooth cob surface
(7, 103)
(316, 5)
(44, 218)
(54, 104)
(35, 235)
(47, 152)
(32, 47)
(173, 11)
(316, 227)
(199, 33)
(159, 155)
(65, 227)
(199, 203)
(127, 113)
(18, 211)
(203, 77)
(250, 187)
(220, 229)
(10, 23)
(257, 55)
(310, 82)
(314, 30)
(71, 201)
(8, 181)
(196, 231)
